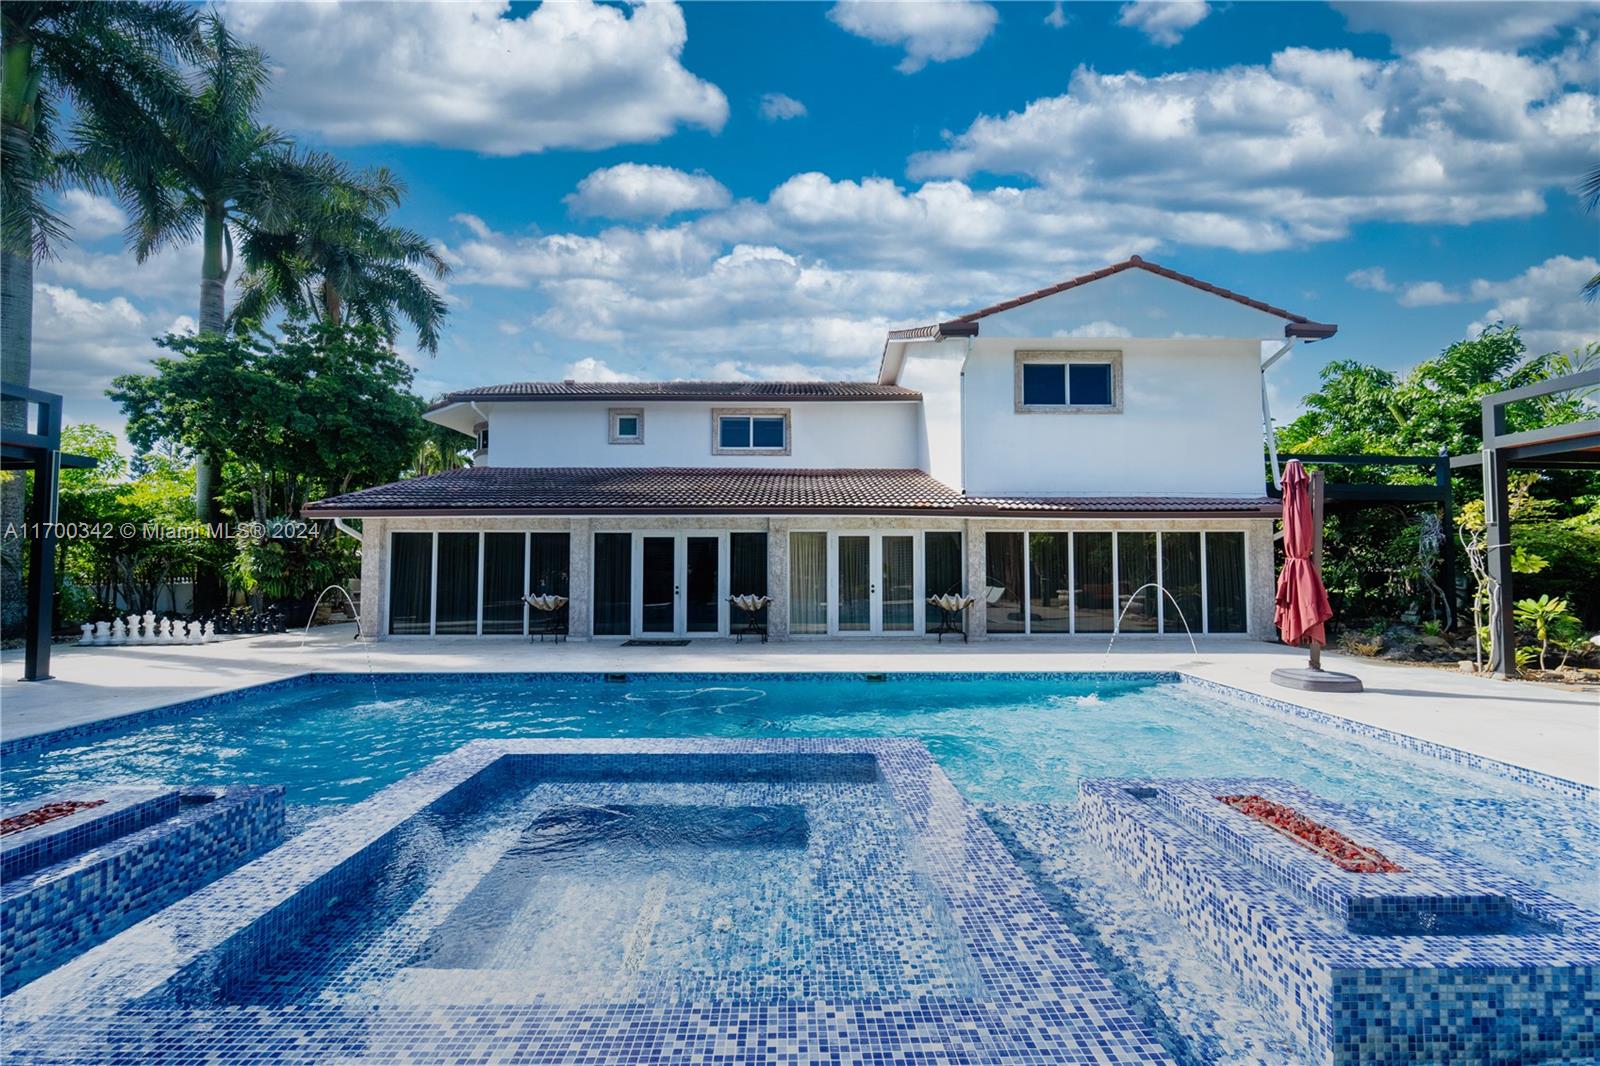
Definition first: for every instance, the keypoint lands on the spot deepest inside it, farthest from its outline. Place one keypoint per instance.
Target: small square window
(1044, 384)
(627, 426)
(1091, 384)
(766, 432)
(734, 433)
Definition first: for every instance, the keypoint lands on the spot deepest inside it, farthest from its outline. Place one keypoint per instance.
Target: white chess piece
(102, 632)
(133, 629)
(209, 633)
(166, 631)
(119, 632)
(88, 634)
(194, 632)
(148, 636)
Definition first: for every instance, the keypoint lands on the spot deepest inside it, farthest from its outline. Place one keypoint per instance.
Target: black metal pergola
(1571, 446)
(1352, 495)
(36, 447)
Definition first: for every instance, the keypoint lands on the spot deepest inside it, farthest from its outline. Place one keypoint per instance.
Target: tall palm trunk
(213, 319)
(332, 304)
(16, 315)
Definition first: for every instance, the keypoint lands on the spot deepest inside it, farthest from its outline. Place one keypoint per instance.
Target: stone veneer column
(374, 577)
(977, 579)
(1260, 578)
(778, 578)
(580, 580)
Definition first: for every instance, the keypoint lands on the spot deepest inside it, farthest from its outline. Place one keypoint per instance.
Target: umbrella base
(1316, 680)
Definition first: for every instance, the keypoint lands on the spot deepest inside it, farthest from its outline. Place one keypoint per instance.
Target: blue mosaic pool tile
(1038, 998)
(111, 866)
(1381, 967)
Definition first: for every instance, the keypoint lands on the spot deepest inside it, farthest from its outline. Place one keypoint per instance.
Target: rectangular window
(942, 569)
(747, 564)
(808, 582)
(1044, 384)
(1136, 572)
(1225, 608)
(1180, 575)
(410, 583)
(483, 438)
(753, 432)
(1002, 596)
(613, 584)
(855, 584)
(549, 562)
(504, 560)
(1049, 596)
(1092, 582)
(897, 583)
(1090, 385)
(627, 425)
(1055, 381)
(457, 611)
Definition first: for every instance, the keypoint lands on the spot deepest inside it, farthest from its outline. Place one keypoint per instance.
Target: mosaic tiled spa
(800, 868)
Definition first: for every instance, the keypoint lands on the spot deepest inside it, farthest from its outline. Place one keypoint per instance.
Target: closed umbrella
(1302, 606)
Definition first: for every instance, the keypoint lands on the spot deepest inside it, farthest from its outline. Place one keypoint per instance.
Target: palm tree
(205, 166)
(106, 60)
(1589, 191)
(341, 259)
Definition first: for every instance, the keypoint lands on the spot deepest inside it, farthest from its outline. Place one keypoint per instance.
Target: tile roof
(729, 391)
(668, 490)
(966, 325)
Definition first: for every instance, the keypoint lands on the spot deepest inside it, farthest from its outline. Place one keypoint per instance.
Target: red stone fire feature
(1314, 836)
(48, 813)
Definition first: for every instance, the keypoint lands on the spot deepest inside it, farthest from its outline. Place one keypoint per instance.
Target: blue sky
(759, 190)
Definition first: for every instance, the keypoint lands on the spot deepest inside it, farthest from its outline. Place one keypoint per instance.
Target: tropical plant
(1589, 193)
(202, 166)
(340, 259)
(111, 61)
(1547, 616)
(321, 410)
(442, 449)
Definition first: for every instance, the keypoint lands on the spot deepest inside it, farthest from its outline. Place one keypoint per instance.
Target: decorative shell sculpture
(750, 603)
(951, 602)
(545, 603)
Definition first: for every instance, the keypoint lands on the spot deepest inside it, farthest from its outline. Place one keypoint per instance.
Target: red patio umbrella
(1302, 601)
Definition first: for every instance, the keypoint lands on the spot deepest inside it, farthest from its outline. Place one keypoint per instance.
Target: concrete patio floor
(1542, 727)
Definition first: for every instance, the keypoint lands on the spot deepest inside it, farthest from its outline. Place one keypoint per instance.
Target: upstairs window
(627, 425)
(483, 438)
(1053, 381)
(750, 433)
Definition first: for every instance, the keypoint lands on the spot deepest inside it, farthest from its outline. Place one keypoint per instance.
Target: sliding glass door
(459, 583)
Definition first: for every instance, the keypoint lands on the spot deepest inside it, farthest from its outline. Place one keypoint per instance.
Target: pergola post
(1497, 531)
(42, 567)
(1447, 562)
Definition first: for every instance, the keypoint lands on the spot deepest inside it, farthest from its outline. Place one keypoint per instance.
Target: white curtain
(808, 582)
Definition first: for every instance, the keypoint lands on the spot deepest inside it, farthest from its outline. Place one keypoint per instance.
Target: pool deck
(1548, 728)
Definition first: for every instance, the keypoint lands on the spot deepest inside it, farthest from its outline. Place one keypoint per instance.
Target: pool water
(622, 899)
(1005, 739)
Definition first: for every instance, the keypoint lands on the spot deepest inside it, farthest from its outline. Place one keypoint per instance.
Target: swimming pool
(1015, 744)
(1003, 738)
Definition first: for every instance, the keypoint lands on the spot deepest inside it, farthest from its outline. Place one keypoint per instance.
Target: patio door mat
(655, 643)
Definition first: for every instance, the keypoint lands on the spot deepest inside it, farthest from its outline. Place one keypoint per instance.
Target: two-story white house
(1038, 455)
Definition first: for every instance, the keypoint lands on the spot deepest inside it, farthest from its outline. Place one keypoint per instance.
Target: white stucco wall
(1190, 423)
(822, 435)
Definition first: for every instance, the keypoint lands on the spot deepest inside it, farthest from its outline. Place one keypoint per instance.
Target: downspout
(1266, 411)
(965, 359)
(479, 412)
(346, 528)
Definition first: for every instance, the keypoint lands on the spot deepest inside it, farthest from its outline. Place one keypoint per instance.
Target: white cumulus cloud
(930, 31)
(636, 190)
(1427, 294)
(1304, 146)
(1163, 21)
(1481, 23)
(1373, 278)
(91, 216)
(1544, 300)
(469, 75)
(775, 107)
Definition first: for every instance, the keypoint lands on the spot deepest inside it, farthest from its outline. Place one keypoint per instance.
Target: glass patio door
(877, 582)
(680, 584)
